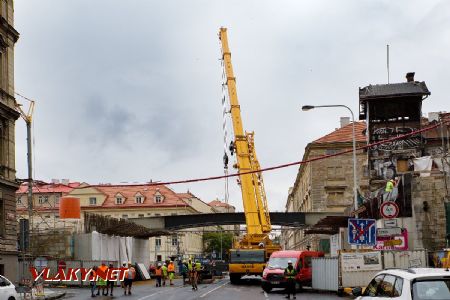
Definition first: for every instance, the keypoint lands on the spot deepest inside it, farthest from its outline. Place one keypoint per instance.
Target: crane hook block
(225, 160)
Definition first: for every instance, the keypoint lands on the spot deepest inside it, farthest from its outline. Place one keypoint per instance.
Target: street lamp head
(307, 107)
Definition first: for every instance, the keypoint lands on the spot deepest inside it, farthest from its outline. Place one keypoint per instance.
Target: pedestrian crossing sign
(362, 231)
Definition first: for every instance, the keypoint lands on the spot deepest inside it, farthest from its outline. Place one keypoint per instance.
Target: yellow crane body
(250, 254)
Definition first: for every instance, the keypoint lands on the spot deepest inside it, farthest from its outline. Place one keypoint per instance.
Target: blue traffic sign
(362, 231)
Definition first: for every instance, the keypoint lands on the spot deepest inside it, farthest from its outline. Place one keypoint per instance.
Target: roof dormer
(139, 198)
(158, 197)
(119, 199)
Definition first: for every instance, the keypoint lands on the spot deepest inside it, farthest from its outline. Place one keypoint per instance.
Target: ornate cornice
(9, 29)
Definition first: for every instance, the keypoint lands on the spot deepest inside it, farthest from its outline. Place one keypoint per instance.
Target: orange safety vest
(171, 268)
(132, 271)
(158, 272)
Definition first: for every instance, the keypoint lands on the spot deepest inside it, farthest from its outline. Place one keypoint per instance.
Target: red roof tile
(129, 192)
(344, 134)
(218, 203)
(48, 188)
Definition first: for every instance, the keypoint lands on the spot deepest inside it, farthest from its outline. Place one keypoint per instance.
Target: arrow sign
(362, 231)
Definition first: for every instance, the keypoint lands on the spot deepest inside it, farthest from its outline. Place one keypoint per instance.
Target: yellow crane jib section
(252, 185)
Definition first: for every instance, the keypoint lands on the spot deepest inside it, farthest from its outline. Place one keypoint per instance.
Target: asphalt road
(221, 290)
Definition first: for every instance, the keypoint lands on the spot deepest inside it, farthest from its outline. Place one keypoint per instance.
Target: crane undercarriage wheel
(235, 278)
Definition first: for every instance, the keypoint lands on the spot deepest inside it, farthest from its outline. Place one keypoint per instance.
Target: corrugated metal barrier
(325, 275)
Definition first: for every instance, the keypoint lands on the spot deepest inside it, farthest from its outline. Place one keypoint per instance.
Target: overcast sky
(128, 91)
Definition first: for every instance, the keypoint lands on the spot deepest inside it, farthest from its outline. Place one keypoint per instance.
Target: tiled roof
(414, 88)
(185, 195)
(48, 188)
(129, 192)
(344, 134)
(217, 203)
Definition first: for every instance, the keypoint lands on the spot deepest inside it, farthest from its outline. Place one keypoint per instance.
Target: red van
(273, 274)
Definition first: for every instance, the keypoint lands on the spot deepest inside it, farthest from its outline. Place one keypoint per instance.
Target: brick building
(326, 185)
(8, 117)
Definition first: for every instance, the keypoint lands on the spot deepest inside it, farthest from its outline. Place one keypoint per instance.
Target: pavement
(50, 294)
(220, 289)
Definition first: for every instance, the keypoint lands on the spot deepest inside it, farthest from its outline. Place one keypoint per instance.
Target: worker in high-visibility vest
(164, 274)
(196, 268)
(290, 273)
(190, 267)
(171, 270)
(128, 280)
(101, 282)
(390, 185)
(158, 275)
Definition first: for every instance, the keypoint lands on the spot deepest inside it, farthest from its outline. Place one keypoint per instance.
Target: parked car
(273, 274)
(7, 290)
(415, 283)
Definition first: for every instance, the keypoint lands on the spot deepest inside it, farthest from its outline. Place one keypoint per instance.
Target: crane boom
(252, 185)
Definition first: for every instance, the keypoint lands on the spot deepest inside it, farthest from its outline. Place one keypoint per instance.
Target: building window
(108, 216)
(124, 216)
(174, 241)
(331, 151)
(141, 215)
(19, 200)
(158, 198)
(119, 200)
(158, 242)
(149, 214)
(139, 199)
(92, 201)
(42, 199)
(57, 199)
(173, 214)
(159, 257)
(335, 172)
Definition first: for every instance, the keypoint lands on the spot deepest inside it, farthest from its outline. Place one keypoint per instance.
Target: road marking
(164, 290)
(265, 295)
(148, 296)
(207, 293)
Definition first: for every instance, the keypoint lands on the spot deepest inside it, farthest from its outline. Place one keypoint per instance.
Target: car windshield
(247, 256)
(280, 262)
(436, 289)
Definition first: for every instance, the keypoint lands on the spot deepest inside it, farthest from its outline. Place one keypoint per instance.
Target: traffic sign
(389, 210)
(391, 231)
(390, 223)
(362, 231)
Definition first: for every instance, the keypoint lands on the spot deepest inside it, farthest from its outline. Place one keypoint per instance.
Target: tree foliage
(212, 240)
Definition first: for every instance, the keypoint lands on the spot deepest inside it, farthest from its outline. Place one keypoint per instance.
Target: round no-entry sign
(389, 210)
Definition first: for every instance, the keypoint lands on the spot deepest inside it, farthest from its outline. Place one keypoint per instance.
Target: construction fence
(357, 268)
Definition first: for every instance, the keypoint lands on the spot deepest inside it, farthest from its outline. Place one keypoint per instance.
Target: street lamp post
(355, 185)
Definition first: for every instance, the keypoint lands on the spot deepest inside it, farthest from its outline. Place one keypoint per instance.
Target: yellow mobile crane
(249, 255)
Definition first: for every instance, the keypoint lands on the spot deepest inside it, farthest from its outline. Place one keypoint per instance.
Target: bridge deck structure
(178, 222)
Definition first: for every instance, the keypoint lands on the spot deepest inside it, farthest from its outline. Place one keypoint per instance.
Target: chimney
(410, 77)
(345, 121)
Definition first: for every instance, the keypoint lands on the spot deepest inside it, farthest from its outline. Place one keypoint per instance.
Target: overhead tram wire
(294, 163)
